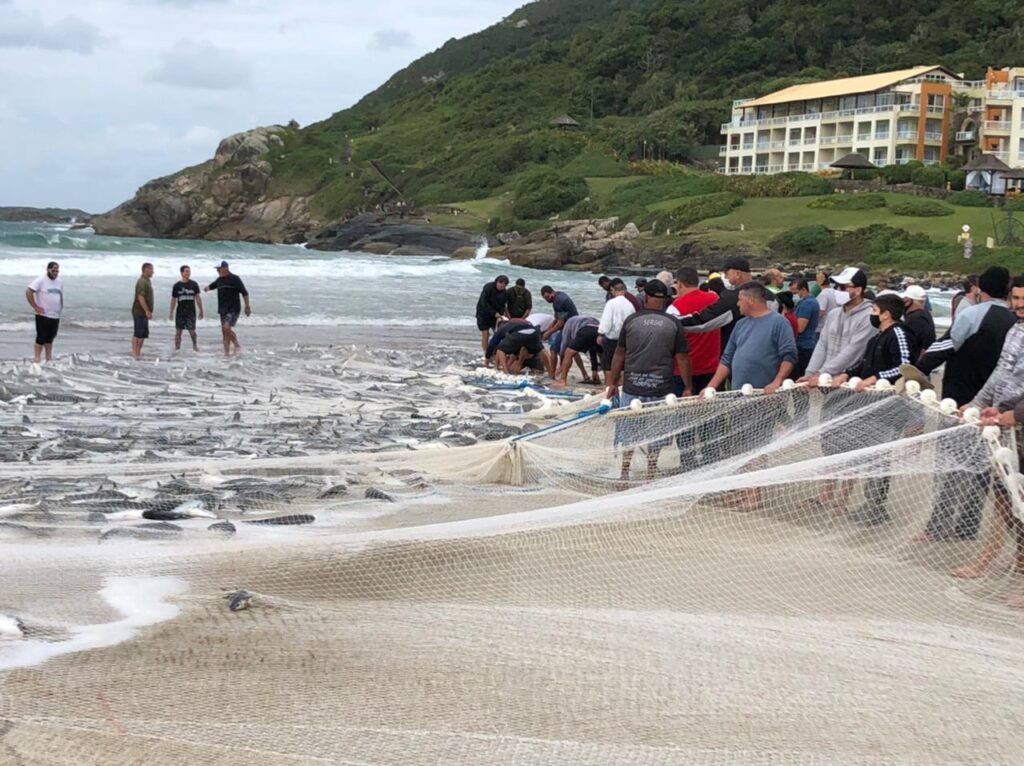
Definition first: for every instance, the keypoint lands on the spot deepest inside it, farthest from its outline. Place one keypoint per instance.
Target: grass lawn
(601, 188)
(477, 212)
(762, 219)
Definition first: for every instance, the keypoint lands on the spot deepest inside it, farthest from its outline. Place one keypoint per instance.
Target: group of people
(45, 295)
(677, 335)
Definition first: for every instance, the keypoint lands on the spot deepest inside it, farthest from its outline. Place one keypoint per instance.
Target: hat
(222, 265)
(915, 293)
(851, 275)
(736, 262)
(910, 372)
(966, 227)
(656, 289)
(714, 275)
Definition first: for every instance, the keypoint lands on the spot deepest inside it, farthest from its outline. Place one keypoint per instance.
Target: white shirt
(541, 321)
(49, 295)
(614, 315)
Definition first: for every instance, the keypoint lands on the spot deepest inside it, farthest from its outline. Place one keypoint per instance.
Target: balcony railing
(1001, 155)
(846, 138)
(934, 109)
(882, 136)
(810, 141)
(933, 137)
(965, 135)
(906, 135)
(998, 125)
(816, 117)
(723, 149)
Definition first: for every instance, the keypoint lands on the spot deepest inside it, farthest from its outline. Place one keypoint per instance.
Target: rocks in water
(372, 493)
(369, 231)
(225, 528)
(336, 490)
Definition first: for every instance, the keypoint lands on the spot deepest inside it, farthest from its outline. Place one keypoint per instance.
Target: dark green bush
(969, 198)
(779, 185)
(957, 179)
(695, 209)
(586, 208)
(538, 195)
(1016, 205)
(848, 202)
(899, 174)
(646, 191)
(931, 175)
(921, 208)
(803, 240)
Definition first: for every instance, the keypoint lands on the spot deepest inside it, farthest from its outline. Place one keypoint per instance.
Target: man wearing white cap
(918, 321)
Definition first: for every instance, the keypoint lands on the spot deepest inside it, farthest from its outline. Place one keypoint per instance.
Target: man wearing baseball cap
(651, 346)
(918, 321)
(229, 287)
(847, 329)
(724, 313)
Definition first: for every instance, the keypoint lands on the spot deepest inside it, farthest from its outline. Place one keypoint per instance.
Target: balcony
(726, 126)
(933, 109)
(998, 125)
(933, 137)
(1000, 95)
(882, 136)
(846, 138)
(1004, 156)
(827, 140)
(724, 149)
(810, 141)
(965, 135)
(906, 135)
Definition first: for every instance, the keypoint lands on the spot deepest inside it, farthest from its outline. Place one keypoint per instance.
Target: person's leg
(48, 348)
(38, 353)
(40, 338)
(225, 335)
(595, 364)
(579, 363)
(177, 339)
(562, 378)
(195, 339)
(996, 536)
(485, 337)
(652, 461)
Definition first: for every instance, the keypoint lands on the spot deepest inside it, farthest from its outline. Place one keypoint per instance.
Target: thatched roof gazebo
(987, 173)
(853, 162)
(565, 122)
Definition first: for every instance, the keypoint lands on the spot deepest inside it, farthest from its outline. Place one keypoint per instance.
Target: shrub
(957, 179)
(1015, 205)
(932, 176)
(539, 195)
(803, 240)
(586, 208)
(779, 185)
(597, 164)
(969, 198)
(899, 174)
(848, 202)
(875, 242)
(651, 189)
(695, 209)
(921, 208)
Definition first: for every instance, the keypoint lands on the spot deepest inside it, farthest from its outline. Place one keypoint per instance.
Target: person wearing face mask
(917, 320)
(891, 346)
(808, 314)
(724, 313)
(846, 332)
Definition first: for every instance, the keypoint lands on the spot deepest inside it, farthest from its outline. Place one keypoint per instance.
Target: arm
(724, 363)
(787, 351)
(618, 362)
(720, 375)
(245, 297)
(199, 305)
(716, 316)
(903, 353)
(683, 363)
(30, 296)
(965, 325)
(174, 303)
(1004, 367)
(853, 350)
(555, 327)
(145, 306)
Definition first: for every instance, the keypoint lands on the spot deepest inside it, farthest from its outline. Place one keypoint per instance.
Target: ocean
(290, 286)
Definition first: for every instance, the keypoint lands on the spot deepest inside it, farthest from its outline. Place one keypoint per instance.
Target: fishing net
(754, 588)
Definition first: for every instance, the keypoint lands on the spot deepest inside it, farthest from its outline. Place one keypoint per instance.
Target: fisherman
(229, 288)
(579, 337)
(564, 310)
(45, 295)
(491, 307)
(651, 344)
(615, 313)
(142, 309)
(185, 298)
(918, 321)
(520, 301)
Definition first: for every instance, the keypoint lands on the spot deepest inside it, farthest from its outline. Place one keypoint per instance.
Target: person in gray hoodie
(1001, 401)
(846, 332)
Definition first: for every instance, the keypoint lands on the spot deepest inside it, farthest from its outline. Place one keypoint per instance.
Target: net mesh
(754, 589)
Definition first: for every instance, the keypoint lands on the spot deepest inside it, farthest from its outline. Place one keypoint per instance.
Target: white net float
(636, 405)
(747, 389)
(928, 396)
(912, 387)
(883, 385)
(948, 406)
(824, 380)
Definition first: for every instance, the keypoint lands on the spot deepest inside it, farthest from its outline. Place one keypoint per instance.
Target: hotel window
(936, 100)
(880, 156)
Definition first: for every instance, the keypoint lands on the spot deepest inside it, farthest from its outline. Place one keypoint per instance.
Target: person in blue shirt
(808, 314)
(564, 310)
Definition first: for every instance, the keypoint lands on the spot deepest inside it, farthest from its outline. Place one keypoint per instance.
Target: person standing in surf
(46, 297)
(142, 309)
(185, 297)
(229, 289)
(491, 308)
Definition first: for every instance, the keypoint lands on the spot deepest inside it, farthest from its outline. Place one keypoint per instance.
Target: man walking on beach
(46, 297)
(229, 289)
(185, 296)
(142, 309)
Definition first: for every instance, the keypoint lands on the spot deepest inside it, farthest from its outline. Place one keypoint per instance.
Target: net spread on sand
(516, 600)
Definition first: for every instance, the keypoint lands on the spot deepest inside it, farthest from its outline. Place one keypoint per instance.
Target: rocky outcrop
(579, 245)
(43, 215)
(224, 198)
(376, 233)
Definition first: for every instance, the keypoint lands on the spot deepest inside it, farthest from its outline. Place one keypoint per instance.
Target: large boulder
(362, 232)
(249, 145)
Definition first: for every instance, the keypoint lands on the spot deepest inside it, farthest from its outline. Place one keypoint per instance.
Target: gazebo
(987, 173)
(1014, 179)
(853, 162)
(565, 122)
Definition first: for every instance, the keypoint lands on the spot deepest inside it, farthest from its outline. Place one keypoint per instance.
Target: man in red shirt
(705, 347)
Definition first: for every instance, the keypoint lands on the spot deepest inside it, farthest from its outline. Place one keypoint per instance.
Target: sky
(97, 98)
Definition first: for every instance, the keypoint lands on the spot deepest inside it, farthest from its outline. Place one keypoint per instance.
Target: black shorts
(141, 327)
(608, 353)
(517, 340)
(483, 324)
(585, 340)
(229, 320)
(185, 321)
(46, 330)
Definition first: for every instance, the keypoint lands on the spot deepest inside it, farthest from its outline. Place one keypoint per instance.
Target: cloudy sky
(97, 98)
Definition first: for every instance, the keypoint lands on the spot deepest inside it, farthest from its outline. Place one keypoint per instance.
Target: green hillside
(471, 120)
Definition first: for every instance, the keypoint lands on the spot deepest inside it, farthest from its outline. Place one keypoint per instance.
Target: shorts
(608, 353)
(141, 327)
(185, 321)
(229, 319)
(517, 340)
(483, 324)
(629, 433)
(585, 340)
(46, 330)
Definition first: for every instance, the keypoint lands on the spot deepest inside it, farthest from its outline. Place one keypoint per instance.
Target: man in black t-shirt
(185, 299)
(229, 287)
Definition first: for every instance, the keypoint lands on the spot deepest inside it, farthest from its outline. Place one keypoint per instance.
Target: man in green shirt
(142, 309)
(520, 301)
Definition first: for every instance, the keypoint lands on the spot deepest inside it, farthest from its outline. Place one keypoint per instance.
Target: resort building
(924, 113)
